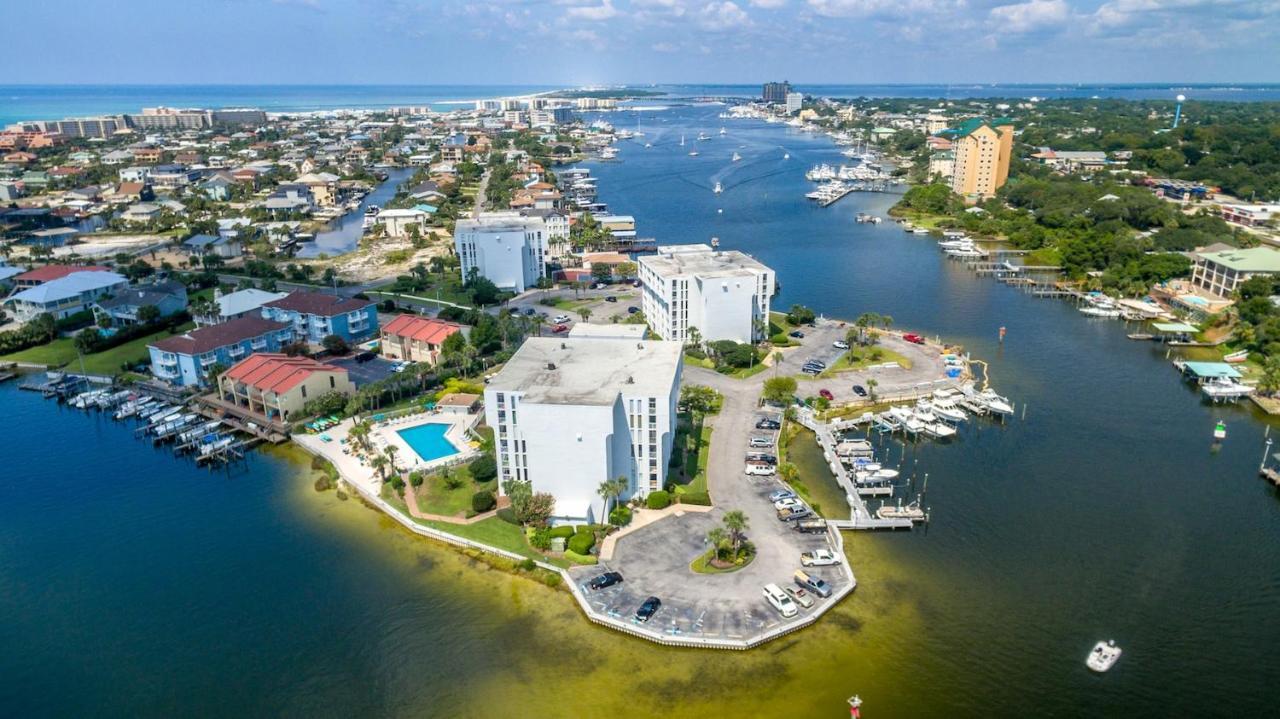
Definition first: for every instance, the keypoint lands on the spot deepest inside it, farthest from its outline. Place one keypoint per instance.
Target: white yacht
(1220, 388)
(1104, 656)
(939, 430)
(820, 173)
(693, 153)
(1103, 311)
(703, 136)
(946, 408)
(994, 402)
(966, 252)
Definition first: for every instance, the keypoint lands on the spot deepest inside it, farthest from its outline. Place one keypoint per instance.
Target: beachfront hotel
(980, 151)
(725, 294)
(571, 413)
(505, 247)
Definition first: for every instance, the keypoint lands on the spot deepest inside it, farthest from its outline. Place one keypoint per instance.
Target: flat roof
(1254, 259)
(701, 260)
(609, 331)
(1211, 370)
(1175, 327)
(589, 371)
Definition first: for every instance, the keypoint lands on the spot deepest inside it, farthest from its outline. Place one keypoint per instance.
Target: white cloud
(603, 11)
(768, 4)
(1028, 16)
(664, 47)
(723, 16)
(882, 8)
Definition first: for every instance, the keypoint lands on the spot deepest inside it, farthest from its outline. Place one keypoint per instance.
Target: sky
(584, 42)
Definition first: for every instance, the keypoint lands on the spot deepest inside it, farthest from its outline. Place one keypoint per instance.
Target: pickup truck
(913, 338)
(790, 514)
(819, 558)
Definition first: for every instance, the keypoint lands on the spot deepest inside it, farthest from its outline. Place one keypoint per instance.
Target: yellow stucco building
(982, 149)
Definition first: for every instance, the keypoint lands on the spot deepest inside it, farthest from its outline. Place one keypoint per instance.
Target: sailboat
(736, 157)
(717, 189)
(722, 132)
(682, 141)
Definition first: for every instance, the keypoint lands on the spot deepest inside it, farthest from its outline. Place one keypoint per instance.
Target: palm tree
(610, 490)
(871, 387)
(379, 464)
(584, 313)
(735, 521)
(777, 360)
(716, 537)
(390, 450)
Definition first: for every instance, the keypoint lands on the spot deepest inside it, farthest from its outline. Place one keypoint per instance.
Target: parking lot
(364, 373)
(595, 301)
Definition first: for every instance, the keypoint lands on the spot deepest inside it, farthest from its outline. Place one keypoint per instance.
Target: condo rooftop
(589, 371)
(701, 260)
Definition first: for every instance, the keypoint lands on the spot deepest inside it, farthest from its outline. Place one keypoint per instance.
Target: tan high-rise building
(982, 151)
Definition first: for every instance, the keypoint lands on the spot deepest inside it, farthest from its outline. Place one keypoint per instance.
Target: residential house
(49, 273)
(396, 222)
(315, 316)
(323, 186)
(234, 305)
(65, 296)
(186, 359)
(416, 339)
(226, 247)
(148, 155)
(135, 173)
(141, 212)
(278, 387)
(218, 186)
(167, 296)
(173, 176)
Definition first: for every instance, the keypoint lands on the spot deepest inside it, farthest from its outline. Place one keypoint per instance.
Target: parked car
(604, 581)
(796, 334)
(529, 311)
(761, 457)
(799, 596)
(913, 338)
(819, 558)
(787, 503)
(760, 469)
(840, 345)
(365, 357)
(599, 286)
(560, 328)
(859, 390)
(791, 514)
(632, 310)
(811, 526)
(611, 298)
(635, 283)
(813, 583)
(826, 394)
(816, 363)
(560, 319)
(767, 423)
(401, 366)
(649, 608)
(780, 600)
(781, 494)
(811, 369)
(761, 442)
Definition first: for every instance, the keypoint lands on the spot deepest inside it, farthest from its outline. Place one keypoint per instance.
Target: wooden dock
(860, 516)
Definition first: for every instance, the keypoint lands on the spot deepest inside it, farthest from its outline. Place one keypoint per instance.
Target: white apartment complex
(570, 413)
(724, 294)
(506, 247)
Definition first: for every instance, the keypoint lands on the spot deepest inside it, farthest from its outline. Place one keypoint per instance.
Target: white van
(760, 469)
(785, 605)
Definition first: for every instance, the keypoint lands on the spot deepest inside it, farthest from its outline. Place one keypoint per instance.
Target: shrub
(699, 498)
(541, 539)
(508, 515)
(620, 516)
(415, 478)
(323, 482)
(342, 495)
(577, 558)
(551, 579)
(658, 499)
(483, 502)
(564, 531)
(483, 468)
(527, 565)
(582, 543)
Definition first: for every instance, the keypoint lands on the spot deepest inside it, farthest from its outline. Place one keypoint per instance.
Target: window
(304, 391)
(333, 383)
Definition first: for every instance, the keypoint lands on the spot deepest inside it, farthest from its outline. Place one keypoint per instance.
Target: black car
(648, 609)
(604, 581)
(632, 310)
(768, 424)
(762, 457)
(811, 369)
(365, 357)
(611, 298)
(797, 334)
(529, 311)
(859, 390)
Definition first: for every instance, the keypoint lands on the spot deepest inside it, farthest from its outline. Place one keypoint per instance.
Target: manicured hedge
(483, 501)
(658, 499)
(699, 498)
(564, 530)
(582, 543)
(620, 516)
(576, 558)
(508, 515)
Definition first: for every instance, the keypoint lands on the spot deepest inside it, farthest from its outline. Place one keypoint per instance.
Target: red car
(560, 328)
(826, 394)
(913, 338)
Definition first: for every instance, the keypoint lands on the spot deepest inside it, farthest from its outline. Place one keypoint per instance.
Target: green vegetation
(703, 564)
(658, 499)
(730, 549)
(862, 357)
(452, 492)
(496, 533)
(802, 466)
(62, 352)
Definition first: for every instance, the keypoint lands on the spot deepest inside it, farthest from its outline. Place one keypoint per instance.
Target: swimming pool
(428, 441)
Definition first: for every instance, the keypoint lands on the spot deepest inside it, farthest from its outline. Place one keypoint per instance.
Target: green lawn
(63, 352)
(778, 329)
(740, 373)
(435, 496)
(814, 482)
(863, 357)
(497, 533)
(699, 362)
(695, 460)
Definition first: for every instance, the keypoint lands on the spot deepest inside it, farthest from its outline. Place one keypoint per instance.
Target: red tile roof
(268, 372)
(209, 338)
(421, 329)
(314, 303)
(48, 273)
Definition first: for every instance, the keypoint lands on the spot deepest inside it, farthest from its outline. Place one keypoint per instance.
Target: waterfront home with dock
(315, 316)
(725, 294)
(169, 297)
(571, 413)
(185, 360)
(64, 296)
(278, 386)
(1221, 272)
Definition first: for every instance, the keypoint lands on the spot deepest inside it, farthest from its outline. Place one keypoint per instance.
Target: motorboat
(786, 155)
(994, 402)
(955, 243)
(911, 511)
(946, 408)
(717, 189)
(1104, 656)
(1224, 388)
(1101, 311)
(703, 136)
(966, 252)
(693, 153)
(722, 131)
(820, 173)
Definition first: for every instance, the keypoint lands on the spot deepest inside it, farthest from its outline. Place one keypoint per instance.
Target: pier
(860, 516)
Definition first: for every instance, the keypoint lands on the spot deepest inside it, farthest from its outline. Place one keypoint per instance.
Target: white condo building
(506, 247)
(724, 294)
(571, 413)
